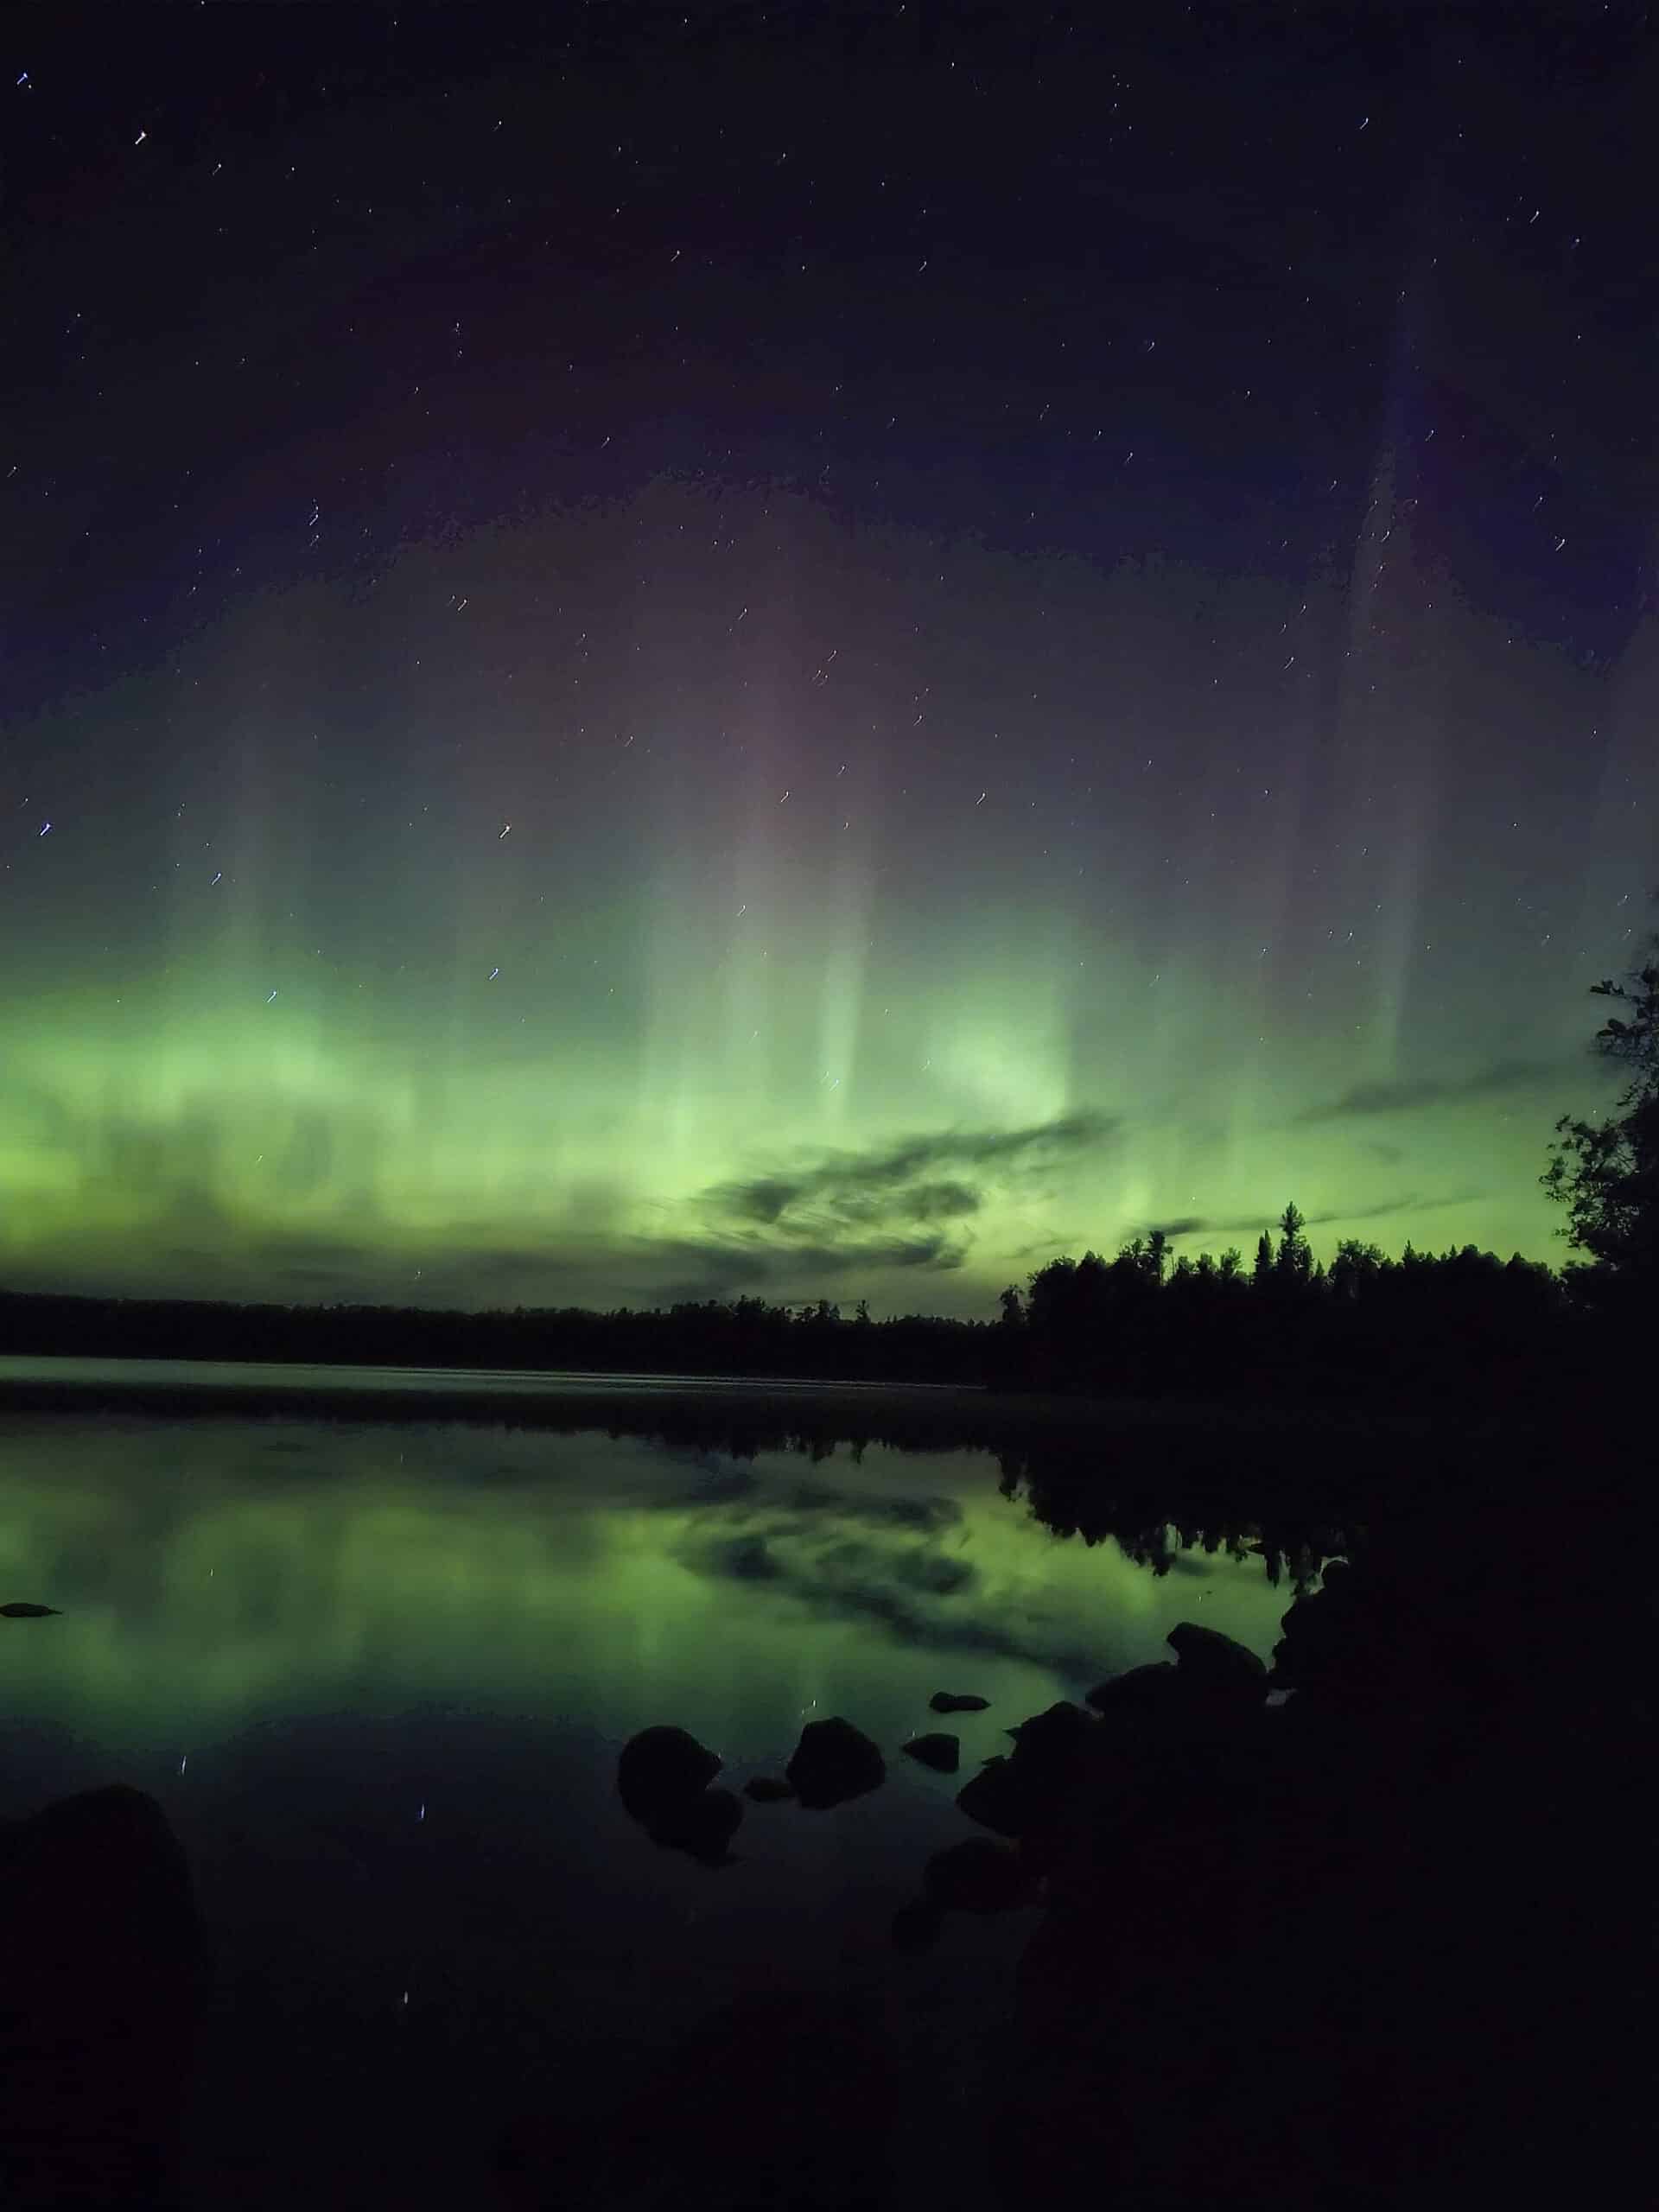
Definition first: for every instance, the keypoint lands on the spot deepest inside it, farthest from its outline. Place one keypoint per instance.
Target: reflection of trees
(1152, 1523)
(1155, 1487)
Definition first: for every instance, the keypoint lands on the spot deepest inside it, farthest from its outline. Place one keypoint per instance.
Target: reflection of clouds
(214, 1573)
(882, 1560)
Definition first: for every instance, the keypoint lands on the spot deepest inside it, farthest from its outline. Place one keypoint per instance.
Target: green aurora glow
(774, 1011)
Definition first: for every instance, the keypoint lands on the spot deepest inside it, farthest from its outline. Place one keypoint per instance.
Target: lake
(378, 1672)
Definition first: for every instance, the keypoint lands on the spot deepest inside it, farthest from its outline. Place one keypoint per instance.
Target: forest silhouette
(1285, 1329)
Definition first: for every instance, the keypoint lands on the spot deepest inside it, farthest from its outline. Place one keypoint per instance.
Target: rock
(1212, 1660)
(20, 1610)
(660, 1768)
(941, 1752)
(955, 1701)
(1055, 1732)
(997, 1798)
(768, 1789)
(976, 1876)
(100, 2002)
(1011, 1795)
(916, 1926)
(662, 1778)
(834, 1761)
(1141, 1689)
(701, 1825)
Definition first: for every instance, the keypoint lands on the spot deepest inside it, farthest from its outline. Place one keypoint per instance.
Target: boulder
(976, 1876)
(1140, 1690)
(768, 1789)
(101, 1998)
(834, 1761)
(957, 1701)
(663, 1779)
(660, 1769)
(1210, 1661)
(701, 1826)
(1011, 1795)
(943, 1753)
(996, 1797)
(1052, 1734)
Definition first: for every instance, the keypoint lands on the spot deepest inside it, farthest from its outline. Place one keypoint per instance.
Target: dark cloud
(819, 1216)
(1413, 1202)
(750, 1560)
(1363, 1099)
(1044, 1248)
(940, 1576)
(1217, 1224)
(716, 1265)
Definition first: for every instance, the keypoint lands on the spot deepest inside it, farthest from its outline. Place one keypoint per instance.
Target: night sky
(811, 651)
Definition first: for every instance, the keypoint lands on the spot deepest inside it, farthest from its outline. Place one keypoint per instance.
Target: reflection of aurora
(212, 1574)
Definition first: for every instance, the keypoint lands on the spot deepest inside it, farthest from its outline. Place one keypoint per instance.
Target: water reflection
(214, 1572)
(377, 1677)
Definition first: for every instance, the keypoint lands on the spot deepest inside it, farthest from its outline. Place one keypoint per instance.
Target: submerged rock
(956, 1701)
(768, 1789)
(834, 1761)
(942, 1752)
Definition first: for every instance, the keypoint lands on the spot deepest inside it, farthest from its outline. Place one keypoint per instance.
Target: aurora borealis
(700, 656)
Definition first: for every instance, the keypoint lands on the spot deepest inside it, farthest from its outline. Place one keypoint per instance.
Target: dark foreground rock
(1017, 1795)
(1371, 1950)
(702, 1827)
(942, 1752)
(101, 1987)
(660, 1768)
(833, 1761)
(955, 1701)
(1054, 1734)
(1212, 1660)
(1140, 1690)
(662, 1778)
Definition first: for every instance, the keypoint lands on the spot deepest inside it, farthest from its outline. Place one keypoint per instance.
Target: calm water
(378, 1675)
